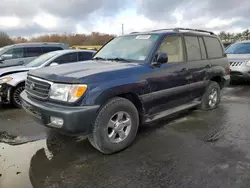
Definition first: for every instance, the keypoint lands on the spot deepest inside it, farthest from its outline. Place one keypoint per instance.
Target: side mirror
(54, 64)
(161, 58)
(5, 57)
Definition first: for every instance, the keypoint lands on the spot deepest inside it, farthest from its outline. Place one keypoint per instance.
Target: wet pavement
(192, 149)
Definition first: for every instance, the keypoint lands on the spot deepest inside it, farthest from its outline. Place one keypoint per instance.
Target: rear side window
(193, 48)
(67, 58)
(50, 49)
(82, 56)
(214, 49)
(32, 51)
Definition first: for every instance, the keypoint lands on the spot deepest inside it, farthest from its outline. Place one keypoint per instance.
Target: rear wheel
(15, 97)
(211, 98)
(115, 127)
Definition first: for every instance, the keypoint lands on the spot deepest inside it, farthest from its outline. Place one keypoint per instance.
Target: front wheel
(211, 98)
(115, 127)
(15, 97)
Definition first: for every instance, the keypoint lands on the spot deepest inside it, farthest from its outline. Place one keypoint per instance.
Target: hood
(15, 69)
(244, 57)
(73, 72)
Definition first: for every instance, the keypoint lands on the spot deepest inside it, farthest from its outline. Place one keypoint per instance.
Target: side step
(172, 111)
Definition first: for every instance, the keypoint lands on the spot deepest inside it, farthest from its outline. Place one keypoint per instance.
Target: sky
(36, 17)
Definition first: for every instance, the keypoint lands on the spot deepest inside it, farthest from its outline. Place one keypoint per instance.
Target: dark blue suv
(133, 79)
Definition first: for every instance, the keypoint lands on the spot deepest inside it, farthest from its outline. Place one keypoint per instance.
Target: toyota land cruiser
(133, 79)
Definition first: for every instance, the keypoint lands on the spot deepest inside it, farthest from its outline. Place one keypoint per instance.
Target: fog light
(56, 122)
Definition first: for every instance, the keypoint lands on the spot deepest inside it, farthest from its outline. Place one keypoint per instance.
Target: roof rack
(187, 29)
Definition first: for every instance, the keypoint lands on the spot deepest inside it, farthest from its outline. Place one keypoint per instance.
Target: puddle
(15, 163)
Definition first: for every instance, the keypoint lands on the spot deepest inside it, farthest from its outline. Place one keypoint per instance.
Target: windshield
(42, 59)
(130, 48)
(239, 48)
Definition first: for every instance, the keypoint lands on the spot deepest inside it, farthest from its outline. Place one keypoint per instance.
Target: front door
(169, 82)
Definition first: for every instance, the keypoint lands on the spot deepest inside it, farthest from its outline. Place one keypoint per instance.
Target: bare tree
(5, 39)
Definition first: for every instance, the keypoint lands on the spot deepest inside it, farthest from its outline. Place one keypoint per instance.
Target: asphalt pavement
(191, 149)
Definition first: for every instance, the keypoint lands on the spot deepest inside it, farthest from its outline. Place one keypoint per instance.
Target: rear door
(31, 53)
(197, 63)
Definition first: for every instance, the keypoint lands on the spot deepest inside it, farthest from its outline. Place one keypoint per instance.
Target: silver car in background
(19, 54)
(239, 57)
(12, 79)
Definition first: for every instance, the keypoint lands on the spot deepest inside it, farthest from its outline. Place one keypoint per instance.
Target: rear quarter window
(214, 48)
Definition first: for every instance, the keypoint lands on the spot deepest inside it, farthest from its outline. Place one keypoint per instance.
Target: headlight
(248, 63)
(5, 80)
(66, 92)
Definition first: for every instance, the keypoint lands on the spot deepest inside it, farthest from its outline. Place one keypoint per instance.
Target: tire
(15, 96)
(206, 98)
(116, 116)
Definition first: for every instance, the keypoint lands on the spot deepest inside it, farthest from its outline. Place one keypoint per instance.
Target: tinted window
(239, 48)
(15, 53)
(203, 49)
(214, 49)
(82, 56)
(172, 45)
(50, 49)
(32, 51)
(67, 58)
(193, 48)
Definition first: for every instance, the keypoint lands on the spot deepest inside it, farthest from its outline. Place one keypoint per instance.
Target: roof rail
(187, 29)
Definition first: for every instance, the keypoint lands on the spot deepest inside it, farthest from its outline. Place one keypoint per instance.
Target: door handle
(209, 66)
(21, 62)
(184, 70)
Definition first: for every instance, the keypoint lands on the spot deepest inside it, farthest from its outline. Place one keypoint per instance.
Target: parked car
(133, 79)
(239, 57)
(19, 54)
(12, 79)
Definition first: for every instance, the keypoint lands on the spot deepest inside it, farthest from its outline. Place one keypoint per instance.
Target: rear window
(50, 49)
(214, 48)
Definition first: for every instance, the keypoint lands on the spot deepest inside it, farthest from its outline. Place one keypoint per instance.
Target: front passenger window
(15, 53)
(172, 45)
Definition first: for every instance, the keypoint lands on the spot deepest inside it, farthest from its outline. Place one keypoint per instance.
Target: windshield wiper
(118, 59)
(100, 58)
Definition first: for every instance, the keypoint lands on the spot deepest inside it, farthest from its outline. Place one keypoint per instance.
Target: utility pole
(122, 29)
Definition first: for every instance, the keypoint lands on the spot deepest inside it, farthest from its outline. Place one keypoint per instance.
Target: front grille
(37, 88)
(234, 63)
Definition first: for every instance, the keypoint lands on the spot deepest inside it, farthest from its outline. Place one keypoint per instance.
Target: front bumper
(5, 91)
(240, 72)
(235, 75)
(76, 120)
